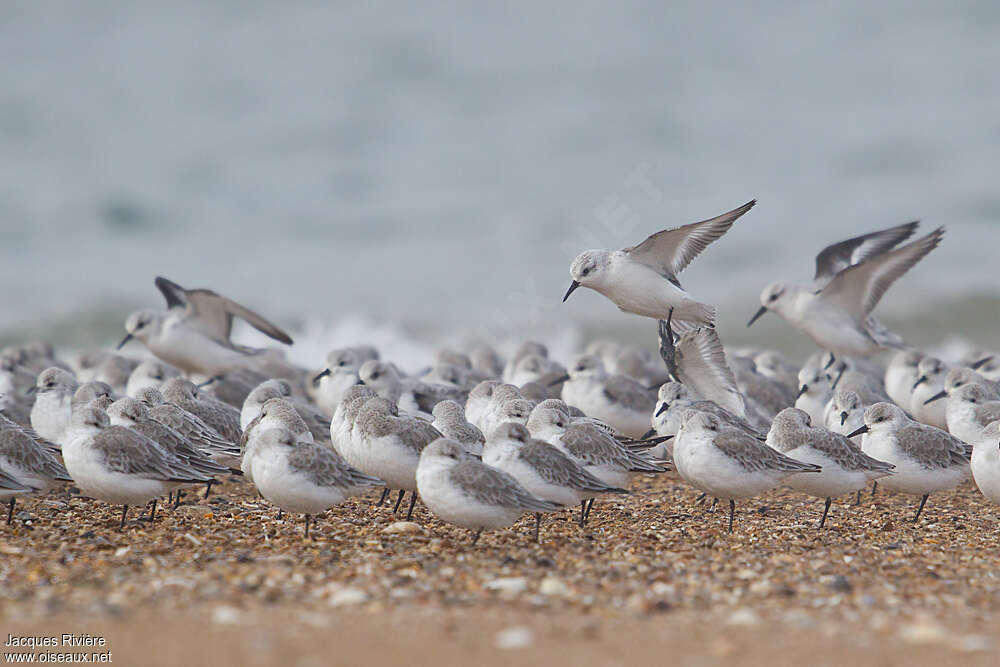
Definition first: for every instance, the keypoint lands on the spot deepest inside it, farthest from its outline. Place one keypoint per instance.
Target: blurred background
(417, 174)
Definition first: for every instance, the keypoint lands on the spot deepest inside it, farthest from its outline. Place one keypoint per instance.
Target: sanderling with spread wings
(193, 333)
(468, 493)
(304, 477)
(927, 459)
(851, 278)
(643, 280)
(727, 463)
(845, 468)
(698, 360)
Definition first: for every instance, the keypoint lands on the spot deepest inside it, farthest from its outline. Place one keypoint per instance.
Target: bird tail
(693, 315)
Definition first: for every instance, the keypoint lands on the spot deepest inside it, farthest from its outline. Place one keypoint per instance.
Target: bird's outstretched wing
(835, 258)
(670, 251)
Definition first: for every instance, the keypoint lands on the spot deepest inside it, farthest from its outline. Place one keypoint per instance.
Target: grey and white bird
(969, 409)
(727, 463)
(698, 360)
(449, 419)
(409, 394)
(930, 381)
(852, 276)
(617, 400)
(50, 414)
(985, 463)
(845, 468)
(222, 417)
(642, 279)
(901, 374)
(319, 423)
(205, 438)
(543, 469)
(150, 373)
(927, 459)
(304, 477)
(466, 492)
(340, 374)
(29, 465)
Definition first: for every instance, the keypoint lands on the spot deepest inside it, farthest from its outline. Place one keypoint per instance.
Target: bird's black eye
(342, 363)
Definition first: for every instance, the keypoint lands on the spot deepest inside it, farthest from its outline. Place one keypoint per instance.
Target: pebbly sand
(654, 577)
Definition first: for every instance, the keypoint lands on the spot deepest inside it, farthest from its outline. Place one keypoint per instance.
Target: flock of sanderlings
(481, 440)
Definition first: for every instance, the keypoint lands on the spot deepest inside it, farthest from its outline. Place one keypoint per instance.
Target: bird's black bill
(976, 366)
(763, 309)
(936, 397)
(561, 378)
(214, 378)
(572, 286)
(803, 389)
(830, 363)
(920, 380)
(843, 418)
(125, 340)
(321, 375)
(858, 431)
(649, 434)
(663, 408)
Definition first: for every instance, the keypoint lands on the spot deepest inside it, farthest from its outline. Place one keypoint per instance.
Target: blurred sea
(423, 173)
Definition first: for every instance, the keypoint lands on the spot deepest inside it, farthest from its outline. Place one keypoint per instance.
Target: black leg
(590, 506)
(399, 500)
(701, 498)
(121, 526)
(475, 538)
(538, 523)
(279, 514)
(152, 511)
(715, 502)
(920, 509)
(583, 513)
(732, 513)
(857, 500)
(177, 498)
(874, 488)
(208, 487)
(826, 510)
(413, 501)
(307, 526)
(10, 511)
(385, 494)
(170, 497)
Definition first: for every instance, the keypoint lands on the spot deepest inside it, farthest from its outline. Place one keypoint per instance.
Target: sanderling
(223, 417)
(303, 477)
(485, 360)
(410, 395)
(479, 401)
(616, 400)
(774, 365)
(543, 469)
(727, 463)
(536, 368)
(900, 375)
(449, 419)
(233, 386)
(673, 399)
(526, 348)
(845, 468)
(643, 280)
(193, 333)
(927, 459)
(698, 360)
(318, 423)
(342, 422)
(516, 410)
(468, 493)
(340, 374)
(969, 409)
(845, 413)
(150, 373)
(815, 391)
(389, 446)
(53, 397)
(929, 382)
(114, 371)
(118, 465)
(835, 310)
(986, 461)
(276, 413)
(90, 392)
(29, 464)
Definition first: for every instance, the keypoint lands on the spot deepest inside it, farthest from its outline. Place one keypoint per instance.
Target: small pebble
(517, 636)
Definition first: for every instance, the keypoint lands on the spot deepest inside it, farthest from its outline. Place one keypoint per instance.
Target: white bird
(468, 493)
(150, 373)
(845, 468)
(28, 464)
(851, 278)
(727, 463)
(543, 469)
(969, 409)
(193, 333)
(698, 361)
(930, 381)
(618, 401)
(50, 415)
(340, 374)
(449, 419)
(927, 459)
(304, 477)
(815, 391)
(986, 461)
(901, 374)
(643, 280)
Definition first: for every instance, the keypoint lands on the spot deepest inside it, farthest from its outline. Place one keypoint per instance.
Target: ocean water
(423, 173)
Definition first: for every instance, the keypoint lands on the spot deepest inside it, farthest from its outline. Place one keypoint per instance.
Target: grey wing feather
(931, 447)
(417, 434)
(555, 467)
(756, 456)
(668, 252)
(858, 289)
(325, 468)
(427, 395)
(28, 454)
(10, 484)
(131, 453)
(845, 453)
(701, 364)
(495, 487)
(835, 258)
